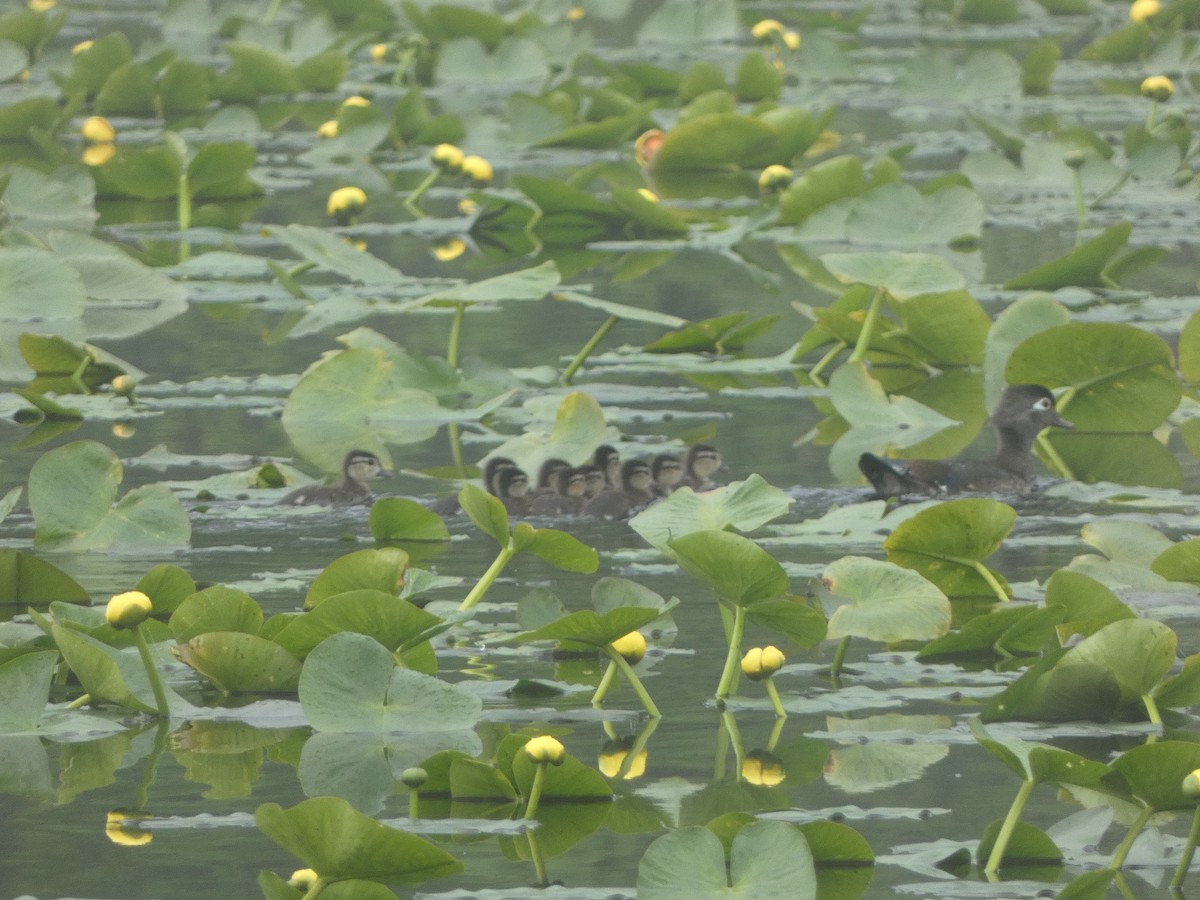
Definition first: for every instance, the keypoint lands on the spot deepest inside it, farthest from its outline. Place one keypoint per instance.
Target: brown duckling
(358, 467)
(699, 465)
(667, 472)
(512, 487)
(593, 479)
(546, 474)
(1023, 411)
(449, 505)
(635, 492)
(567, 498)
(608, 459)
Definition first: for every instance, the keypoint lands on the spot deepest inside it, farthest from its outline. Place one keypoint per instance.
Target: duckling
(358, 467)
(608, 459)
(512, 487)
(546, 473)
(667, 472)
(635, 492)
(1023, 411)
(567, 498)
(699, 465)
(593, 479)
(448, 505)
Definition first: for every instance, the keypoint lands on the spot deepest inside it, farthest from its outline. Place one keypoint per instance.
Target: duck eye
(1043, 404)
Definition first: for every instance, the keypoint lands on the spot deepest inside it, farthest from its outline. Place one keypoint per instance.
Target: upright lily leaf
(380, 569)
(25, 686)
(525, 284)
(27, 579)
(486, 511)
(1138, 652)
(328, 251)
(328, 835)
(740, 505)
(1083, 266)
(948, 542)
(110, 675)
(238, 662)
(902, 275)
(556, 547)
(735, 568)
(577, 430)
(888, 603)
(1155, 772)
(393, 622)
(587, 627)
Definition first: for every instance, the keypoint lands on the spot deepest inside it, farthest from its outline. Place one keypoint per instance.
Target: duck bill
(1060, 422)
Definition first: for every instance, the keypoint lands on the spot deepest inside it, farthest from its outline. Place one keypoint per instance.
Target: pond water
(917, 94)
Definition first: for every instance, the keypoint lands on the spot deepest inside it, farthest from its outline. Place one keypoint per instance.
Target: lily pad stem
(506, 553)
(150, 771)
(315, 889)
(1152, 710)
(1010, 824)
(414, 803)
(456, 451)
(626, 669)
(460, 310)
(1189, 850)
(735, 653)
(839, 656)
(80, 702)
(160, 694)
(1057, 464)
(535, 791)
(1080, 208)
(411, 201)
(1126, 844)
(539, 862)
(606, 681)
(185, 202)
(986, 574)
(868, 327)
(815, 372)
(776, 703)
(586, 350)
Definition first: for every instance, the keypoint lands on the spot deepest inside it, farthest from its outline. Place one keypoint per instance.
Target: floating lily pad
(596, 630)
(237, 662)
(381, 569)
(393, 622)
(888, 603)
(902, 275)
(577, 429)
(25, 686)
(741, 505)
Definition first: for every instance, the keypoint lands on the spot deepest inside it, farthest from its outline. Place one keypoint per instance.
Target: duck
(358, 467)
(608, 459)
(1023, 411)
(635, 492)
(667, 472)
(449, 505)
(593, 480)
(567, 497)
(512, 487)
(701, 462)
(546, 474)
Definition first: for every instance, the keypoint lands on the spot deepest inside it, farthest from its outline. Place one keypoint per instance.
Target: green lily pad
(1083, 266)
(27, 579)
(558, 548)
(328, 251)
(1003, 632)
(1155, 773)
(525, 284)
(1046, 692)
(474, 781)
(948, 542)
(1083, 597)
(217, 608)
(734, 568)
(816, 188)
(350, 683)
(715, 142)
(1138, 652)
(767, 859)
(381, 569)
(238, 662)
(577, 429)
(898, 214)
(71, 494)
(393, 622)
(1027, 845)
(889, 603)
(1041, 763)
(167, 586)
(741, 505)
(338, 842)
(1122, 377)
(596, 630)
(902, 275)
(570, 782)
(1021, 319)
(401, 519)
(25, 686)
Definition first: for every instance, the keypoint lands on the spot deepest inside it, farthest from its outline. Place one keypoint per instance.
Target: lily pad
(393, 622)
(596, 630)
(888, 603)
(741, 505)
(381, 569)
(735, 568)
(577, 429)
(25, 686)
(27, 579)
(902, 275)
(237, 662)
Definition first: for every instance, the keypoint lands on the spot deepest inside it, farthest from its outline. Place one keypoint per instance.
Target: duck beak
(1060, 422)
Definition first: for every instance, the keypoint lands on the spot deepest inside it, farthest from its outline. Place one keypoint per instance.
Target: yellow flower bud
(448, 157)
(1141, 10)
(648, 194)
(774, 178)
(576, 14)
(41, 5)
(98, 154)
(477, 169)
(123, 430)
(302, 879)
(81, 46)
(449, 249)
(1158, 87)
(467, 206)
(356, 100)
(128, 610)
(346, 201)
(791, 40)
(646, 147)
(121, 834)
(763, 768)
(613, 756)
(546, 749)
(1191, 784)
(766, 29)
(97, 130)
(762, 662)
(632, 647)
(379, 52)
(328, 129)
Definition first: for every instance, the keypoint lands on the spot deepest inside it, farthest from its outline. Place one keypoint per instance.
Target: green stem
(1151, 116)
(723, 741)
(411, 201)
(815, 372)
(160, 694)
(868, 327)
(1152, 710)
(605, 683)
(735, 653)
(149, 773)
(586, 350)
(776, 734)
(1126, 845)
(315, 889)
(626, 669)
(735, 740)
(485, 582)
(986, 574)
(839, 656)
(80, 702)
(414, 804)
(456, 451)
(460, 310)
(185, 202)
(776, 703)
(539, 862)
(1010, 824)
(1189, 850)
(1057, 464)
(535, 792)
(1080, 209)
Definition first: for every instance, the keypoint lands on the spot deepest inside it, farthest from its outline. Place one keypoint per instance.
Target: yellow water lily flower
(449, 249)
(448, 157)
(1141, 10)
(328, 129)
(1158, 88)
(98, 154)
(356, 100)
(1191, 784)
(648, 194)
(774, 178)
(763, 769)
(762, 662)
(766, 29)
(345, 202)
(128, 610)
(632, 647)
(97, 130)
(477, 169)
(302, 879)
(546, 749)
(379, 52)
(791, 40)
(646, 147)
(81, 46)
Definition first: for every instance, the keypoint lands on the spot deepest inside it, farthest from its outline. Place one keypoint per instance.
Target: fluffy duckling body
(358, 467)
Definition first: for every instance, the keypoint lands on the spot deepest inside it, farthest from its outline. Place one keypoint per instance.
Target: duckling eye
(1043, 404)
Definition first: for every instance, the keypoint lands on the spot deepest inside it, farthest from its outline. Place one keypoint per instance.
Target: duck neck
(1015, 450)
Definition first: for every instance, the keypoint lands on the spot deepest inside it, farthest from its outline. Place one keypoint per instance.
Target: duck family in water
(608, 488)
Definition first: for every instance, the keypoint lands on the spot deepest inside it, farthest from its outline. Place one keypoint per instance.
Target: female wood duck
(667, 471)
(1024, 410)
(702, 462)
(608, 460)
(359, 466)
(566, 499)
(635, 492)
